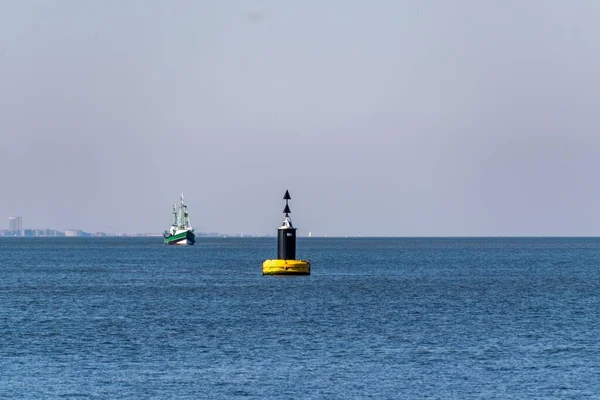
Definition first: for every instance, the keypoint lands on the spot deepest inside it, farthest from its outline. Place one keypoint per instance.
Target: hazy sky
(409, 118)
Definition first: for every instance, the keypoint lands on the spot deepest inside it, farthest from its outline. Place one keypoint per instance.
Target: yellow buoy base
(286, 267)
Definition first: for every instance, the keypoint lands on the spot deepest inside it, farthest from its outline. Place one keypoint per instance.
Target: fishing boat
(181, 231)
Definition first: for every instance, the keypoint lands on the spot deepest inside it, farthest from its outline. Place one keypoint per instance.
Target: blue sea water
(378, 318)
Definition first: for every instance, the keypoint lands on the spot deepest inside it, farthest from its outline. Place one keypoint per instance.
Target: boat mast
(180, 220)
(188, 224)
(186, 217)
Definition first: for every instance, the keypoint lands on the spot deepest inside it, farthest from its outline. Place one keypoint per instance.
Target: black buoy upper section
(286, 244)
(286, 234)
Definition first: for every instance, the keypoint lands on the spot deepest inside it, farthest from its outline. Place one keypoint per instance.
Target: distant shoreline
(301, 237)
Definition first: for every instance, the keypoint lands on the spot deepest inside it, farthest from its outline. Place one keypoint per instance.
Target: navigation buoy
(286, 263)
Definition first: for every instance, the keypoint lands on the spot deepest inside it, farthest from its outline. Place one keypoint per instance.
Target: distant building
(15, 223)
(76, 232)
(48, 232)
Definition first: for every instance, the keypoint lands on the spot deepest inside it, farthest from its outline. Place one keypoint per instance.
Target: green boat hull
(183, 238)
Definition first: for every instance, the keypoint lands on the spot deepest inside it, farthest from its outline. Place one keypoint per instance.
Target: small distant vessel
(181, 231)
(309, 234)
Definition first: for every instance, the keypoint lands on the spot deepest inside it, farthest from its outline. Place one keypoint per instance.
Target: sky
(387, 118)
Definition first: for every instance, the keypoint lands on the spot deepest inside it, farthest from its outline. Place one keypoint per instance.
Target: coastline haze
(395, 119)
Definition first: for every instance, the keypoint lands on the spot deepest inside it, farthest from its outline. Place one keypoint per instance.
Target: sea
(380, 318)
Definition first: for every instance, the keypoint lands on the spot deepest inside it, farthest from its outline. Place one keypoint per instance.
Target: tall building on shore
(15, 223)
